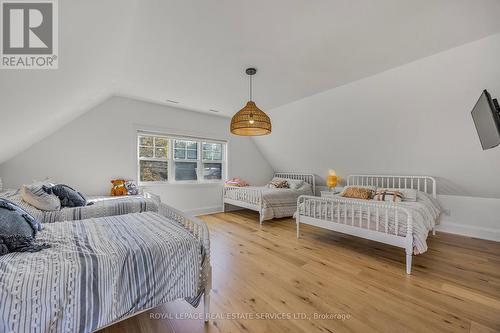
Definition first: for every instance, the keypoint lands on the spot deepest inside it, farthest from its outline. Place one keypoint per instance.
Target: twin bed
(101, 270)
(99, 207)
(403, 224)
(270, 202)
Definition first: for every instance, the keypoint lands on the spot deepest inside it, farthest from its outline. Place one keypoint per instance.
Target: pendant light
(250, 121)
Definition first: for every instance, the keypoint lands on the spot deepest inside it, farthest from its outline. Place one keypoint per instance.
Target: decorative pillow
(68, 196)
(387, 195)
(38, 198)
(238, 182)
(131, 188)
(17, 229)
(294, 184)
(358, 192)
(278, 183)
(409, 194)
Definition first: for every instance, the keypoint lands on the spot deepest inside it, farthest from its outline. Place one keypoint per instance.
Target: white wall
(101, 145)
(413, 119)
(471, 216)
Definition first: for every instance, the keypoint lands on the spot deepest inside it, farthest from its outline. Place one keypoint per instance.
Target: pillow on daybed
(67, 195)
(358, 192)
(294, 184)
(38, 198)
(306, 187)
(17, 229)
(409, 194)
(388, 195)
(278, 183)
(238, 182)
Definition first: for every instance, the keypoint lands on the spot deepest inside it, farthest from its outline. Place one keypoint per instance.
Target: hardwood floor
(361, 286)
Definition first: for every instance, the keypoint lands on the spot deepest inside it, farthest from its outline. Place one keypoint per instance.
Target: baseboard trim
(204, 210)
(470, 231)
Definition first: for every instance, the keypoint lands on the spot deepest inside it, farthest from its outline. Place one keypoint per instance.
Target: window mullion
(171, 167)
(199, 153)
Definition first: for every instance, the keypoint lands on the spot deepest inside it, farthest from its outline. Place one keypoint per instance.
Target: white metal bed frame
(367, 210)
(251, 198)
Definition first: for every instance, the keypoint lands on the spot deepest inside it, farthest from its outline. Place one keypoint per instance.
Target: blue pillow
(67, 195)
(17, 229)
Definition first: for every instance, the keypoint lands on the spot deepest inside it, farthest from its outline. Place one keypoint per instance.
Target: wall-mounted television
(486, 116)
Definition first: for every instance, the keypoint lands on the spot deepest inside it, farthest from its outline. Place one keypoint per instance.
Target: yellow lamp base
(331, 182)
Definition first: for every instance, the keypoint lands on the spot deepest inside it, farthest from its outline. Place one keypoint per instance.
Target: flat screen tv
(486, 116)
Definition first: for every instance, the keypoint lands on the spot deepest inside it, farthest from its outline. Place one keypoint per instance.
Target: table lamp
(331, 179)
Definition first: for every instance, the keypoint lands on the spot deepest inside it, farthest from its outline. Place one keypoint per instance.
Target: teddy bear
(118, 188)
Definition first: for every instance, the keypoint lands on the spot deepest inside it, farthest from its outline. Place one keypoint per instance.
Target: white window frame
(171, 160)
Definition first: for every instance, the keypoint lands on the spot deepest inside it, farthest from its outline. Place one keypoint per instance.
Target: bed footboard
(246, 197)
(378, 221)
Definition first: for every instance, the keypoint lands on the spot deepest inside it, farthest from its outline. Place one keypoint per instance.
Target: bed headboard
(421, 183)
(307, 177)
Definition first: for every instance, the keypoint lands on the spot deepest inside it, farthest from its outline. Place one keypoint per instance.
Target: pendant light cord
(250, 87)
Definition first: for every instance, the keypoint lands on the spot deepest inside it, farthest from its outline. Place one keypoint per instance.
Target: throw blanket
(101, 206)
(96, 272)
(425, 212)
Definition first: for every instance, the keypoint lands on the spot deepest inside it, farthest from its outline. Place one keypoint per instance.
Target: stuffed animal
(131, 188)
(119, 188)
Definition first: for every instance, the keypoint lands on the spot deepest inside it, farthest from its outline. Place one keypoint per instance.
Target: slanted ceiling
(195, 52)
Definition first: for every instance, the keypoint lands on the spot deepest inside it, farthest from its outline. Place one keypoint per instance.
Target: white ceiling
(195, 52)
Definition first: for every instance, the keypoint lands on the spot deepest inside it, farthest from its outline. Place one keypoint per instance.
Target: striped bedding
(425, 212)
(98, 271)
(102, 206)
(276, 202)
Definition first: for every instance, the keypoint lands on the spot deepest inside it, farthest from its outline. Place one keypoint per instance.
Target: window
(212, 160)
(185, 157)
(175, 159)
(153, 159)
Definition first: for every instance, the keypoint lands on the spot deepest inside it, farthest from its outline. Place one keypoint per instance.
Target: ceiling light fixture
(250, 121)
(213, 110)
(171, 101)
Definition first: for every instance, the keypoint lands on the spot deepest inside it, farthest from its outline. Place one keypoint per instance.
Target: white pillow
(409, 194)
(306, 187)
(38, 198)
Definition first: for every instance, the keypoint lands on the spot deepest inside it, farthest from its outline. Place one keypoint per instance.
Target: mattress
(98, 271)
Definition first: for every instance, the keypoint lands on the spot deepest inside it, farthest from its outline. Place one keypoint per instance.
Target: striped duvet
(98, 271)
(102, 206)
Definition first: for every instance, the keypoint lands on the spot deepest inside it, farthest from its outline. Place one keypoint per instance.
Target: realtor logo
(29, 34)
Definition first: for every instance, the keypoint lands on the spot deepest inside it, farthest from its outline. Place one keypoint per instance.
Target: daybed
(270, 202)
(403, 224)
(102, 270)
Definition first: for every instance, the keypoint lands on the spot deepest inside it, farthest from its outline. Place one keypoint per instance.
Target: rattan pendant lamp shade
(251, 121)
